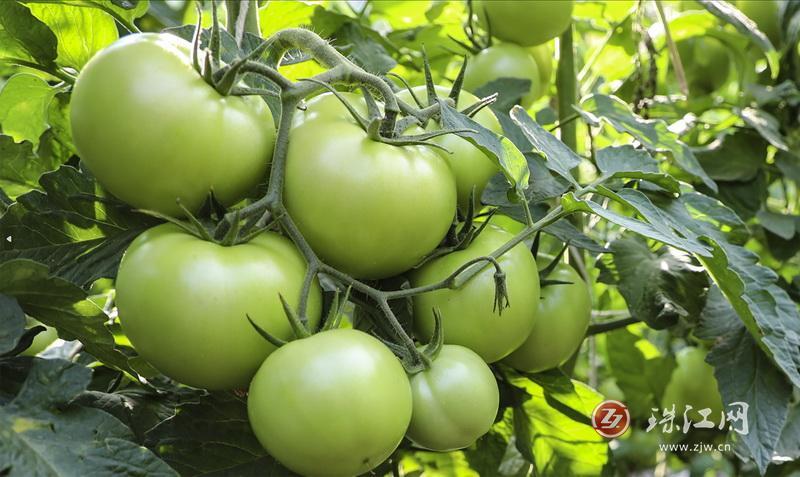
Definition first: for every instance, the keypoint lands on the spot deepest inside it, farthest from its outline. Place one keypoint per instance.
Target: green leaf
(279, 15)
(81, 32)
(60, 304)
(747, 27)
(498, 148)
(24, 37)
(783, 225)
(745, 374)
(12, 323)
(213, 436)
(20, 167)
(560, 158)
(364, 46)
(24, 106)
(509, 93)
(79, 234)
(641, 379)
(625, 162)
(653, 134)
(123, 11)
(734, 157)
(659, 287)
(43, 435)
(766, 125)
(553, 426)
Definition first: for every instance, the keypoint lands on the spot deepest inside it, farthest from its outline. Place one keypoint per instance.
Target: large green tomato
(525, 23)
(335, 404)
(368, 208)
(468, 317)
(543, 54)
(471, 167)
(455, 401)
(693, 383)
(505, 60)
(564, 312)
(706, 63)
(42, 340)
(766, 14)
(184, 302)
(152, 131)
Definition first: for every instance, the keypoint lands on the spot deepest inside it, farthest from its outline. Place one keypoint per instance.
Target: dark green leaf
(625, 162)
(509, 93)
(734, 157)
(766, 125)
(24, 37)
(560, 158)
(12, 323)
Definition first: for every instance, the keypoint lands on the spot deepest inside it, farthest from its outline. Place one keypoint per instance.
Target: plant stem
(567, 91)
(673, 51)
(612, 325)
(55, 72)
(242, 18)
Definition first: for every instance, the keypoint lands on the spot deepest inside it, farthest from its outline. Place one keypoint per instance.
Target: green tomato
(706, 63)
(371, 209)
(455, 400)
(335, 404)
(505, 60)
(42, 340)
(468, 315)
(524, 23)
(766, 14)
(183, 302)
(152, 131)
(693, 383)
(563, 316)
(543, 54)
(471, 167)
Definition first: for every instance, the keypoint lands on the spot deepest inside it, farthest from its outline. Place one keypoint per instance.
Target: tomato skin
(335, 404)
(151, 130)
(692, 382)
(470, 166)
(524, 23)
(42, 340)
(766, 14)
(468, 318)
(505, 60)
(183, 303)
(455, 401)
(371, 209)
(564, 313)
(706, 63)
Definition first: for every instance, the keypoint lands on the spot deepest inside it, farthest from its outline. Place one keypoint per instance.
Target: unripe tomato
(184, 302)
(693, 383)
(152, 131)
(564, 313)
(766, 14)
(368, 208)
(455, 401)
(505, 60)
(335, 404)
(42, 340)
(471, 167)
(525, 23)
(706, 63)
(543, 55)
(468, 315)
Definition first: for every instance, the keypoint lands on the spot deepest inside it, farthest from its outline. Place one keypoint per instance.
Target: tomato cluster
(525, 28)
(338, 402)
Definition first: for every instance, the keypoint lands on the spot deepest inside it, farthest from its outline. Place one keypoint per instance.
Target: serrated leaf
(625, 162)
(80, 32)
(12, 323)
(24, 37)
(553, 426)
(24, 106)
(212, 436)
(498, 148)
(43, 435)
(747, 27)
(659, 287)
(509, 93)
(79, 234)
(653, 134)
(745, 374)
(62, 305)
(559, 158)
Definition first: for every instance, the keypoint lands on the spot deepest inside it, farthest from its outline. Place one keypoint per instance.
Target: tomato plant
(335, 404)
(129, 113)
(442, 419)
(266, 249)
(184, 303)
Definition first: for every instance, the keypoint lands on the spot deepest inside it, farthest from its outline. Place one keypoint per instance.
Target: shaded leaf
(559, 158)
(24, 37)
(625, 162)
(12, 323)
